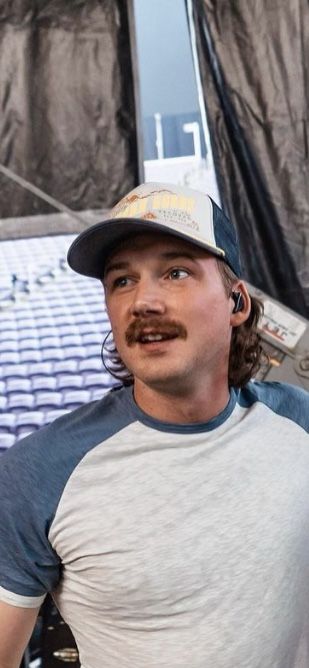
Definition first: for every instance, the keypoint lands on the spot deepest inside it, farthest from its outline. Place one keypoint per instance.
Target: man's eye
(178, 274)
(120, 282)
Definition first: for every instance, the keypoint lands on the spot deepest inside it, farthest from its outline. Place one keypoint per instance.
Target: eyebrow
(114, 266)
(168, 255)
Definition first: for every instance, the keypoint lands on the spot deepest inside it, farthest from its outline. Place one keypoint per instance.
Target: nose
(147, 301)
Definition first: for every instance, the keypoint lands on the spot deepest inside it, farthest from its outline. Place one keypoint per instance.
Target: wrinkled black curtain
(67, 120)
(253, 60)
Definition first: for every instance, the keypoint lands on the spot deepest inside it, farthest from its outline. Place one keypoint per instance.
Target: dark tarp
(67, 120)
(253, 58)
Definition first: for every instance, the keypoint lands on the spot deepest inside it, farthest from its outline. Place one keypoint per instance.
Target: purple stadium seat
(91, 364)
(5, 334)
(46, 321)
(85, 327)
(48, 400)
(71, 340)
(74, 301)
(103, 324)
(74, 352)
(14, 371)
(25, 323)
(53, 414)
(50, 342)
(74, 398)
(46, 383)
(7, 421)
(52, 354)
(29, 419)
(90, 297)
(92, 337)
(18, 385)
(3, 403)
(28, 334)
(9, 357)
(94, 348)
(68, 330)
(40, 369)
(61, 320)
(98, 313)
(30, 356)
(23, 432)
(47, 331)
(20, 401)
(97, 380)
(29, 344)
(28, 422)
(80, 315)
(9, 345)
(6, 440)
(22, 313)
(65, 366)
(69, 381)
(97, 393)
(61, 313)
(7, 325)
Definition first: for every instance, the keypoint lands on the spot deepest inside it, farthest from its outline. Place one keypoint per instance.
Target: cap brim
(89, 251)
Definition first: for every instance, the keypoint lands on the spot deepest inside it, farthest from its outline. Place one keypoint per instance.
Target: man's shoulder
(33, 476)
(92, 423)
(287, 400)
(58, 447)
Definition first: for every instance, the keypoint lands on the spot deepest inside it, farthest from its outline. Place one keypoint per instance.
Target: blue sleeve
(286, 400)
(28, 565)
(33, 475)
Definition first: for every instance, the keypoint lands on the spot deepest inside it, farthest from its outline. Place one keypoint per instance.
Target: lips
(154, 337)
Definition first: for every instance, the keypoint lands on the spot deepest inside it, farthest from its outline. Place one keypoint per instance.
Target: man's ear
(240, 304)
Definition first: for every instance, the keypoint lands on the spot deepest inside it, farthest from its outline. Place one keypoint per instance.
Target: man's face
(169, 312)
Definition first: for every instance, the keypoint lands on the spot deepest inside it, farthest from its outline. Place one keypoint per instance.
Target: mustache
(170, 328)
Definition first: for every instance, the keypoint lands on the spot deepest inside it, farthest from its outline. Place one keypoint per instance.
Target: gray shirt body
(168, 546)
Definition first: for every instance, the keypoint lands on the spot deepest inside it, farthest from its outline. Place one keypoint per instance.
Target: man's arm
(16, 626)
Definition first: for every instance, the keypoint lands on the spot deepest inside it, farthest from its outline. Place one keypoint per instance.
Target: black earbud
(238, 301)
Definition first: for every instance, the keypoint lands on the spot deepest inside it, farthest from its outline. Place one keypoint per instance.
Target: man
(170, 520)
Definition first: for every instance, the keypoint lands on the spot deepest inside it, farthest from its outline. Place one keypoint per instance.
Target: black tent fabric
(252, 62)
(68, 121)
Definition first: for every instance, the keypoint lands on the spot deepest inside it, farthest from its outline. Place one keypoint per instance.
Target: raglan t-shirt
(163, 545)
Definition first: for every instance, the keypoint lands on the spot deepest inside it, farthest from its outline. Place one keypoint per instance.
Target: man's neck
(196, 406)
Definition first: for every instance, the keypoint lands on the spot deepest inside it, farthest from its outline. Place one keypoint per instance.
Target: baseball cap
(177, 210)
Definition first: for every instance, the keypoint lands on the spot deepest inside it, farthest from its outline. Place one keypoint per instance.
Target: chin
(167, 381)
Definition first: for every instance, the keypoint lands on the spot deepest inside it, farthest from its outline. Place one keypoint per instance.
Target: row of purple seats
(47, 399)
(28, 420)
(70, 399)
(41, 343)
(61, 306)
(49, 354)
(14, 426)
(51, 368)
(18, 421)
(37, 313)
(60, 381)
(50, 345)
(21, 333)
(83, 330)
(27, 324)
